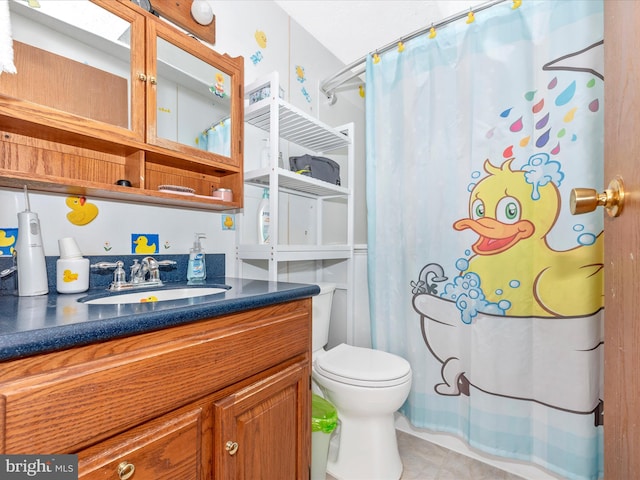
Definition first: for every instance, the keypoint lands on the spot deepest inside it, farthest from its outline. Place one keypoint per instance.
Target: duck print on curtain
(479, 275)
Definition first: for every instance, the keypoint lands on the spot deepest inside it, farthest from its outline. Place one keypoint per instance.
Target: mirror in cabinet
(106, 91)
(192, 101)
(74, 60)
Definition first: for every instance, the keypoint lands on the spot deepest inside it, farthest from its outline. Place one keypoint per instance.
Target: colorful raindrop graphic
(543, 139)
(566, 96)
(542, 122)
(508, 152)
(538, 106)
(570, 114)
(516, 126)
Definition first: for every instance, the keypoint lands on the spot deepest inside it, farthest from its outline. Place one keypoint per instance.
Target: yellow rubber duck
(228, 221)
(142, 245)
(512, 229)
(149, 299)
(6, 241)
(82, 212)
(68, 276)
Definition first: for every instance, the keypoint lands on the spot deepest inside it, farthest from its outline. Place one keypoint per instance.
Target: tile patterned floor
(424, 460)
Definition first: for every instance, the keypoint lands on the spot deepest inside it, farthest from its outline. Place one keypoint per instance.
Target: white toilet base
(368, 449)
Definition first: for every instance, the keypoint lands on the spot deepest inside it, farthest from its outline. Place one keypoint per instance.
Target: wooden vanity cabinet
(222, 398)
(86, 110)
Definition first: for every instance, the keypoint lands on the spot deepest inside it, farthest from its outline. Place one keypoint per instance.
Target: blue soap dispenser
(197, 269)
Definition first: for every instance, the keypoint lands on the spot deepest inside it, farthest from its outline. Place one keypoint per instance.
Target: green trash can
(324, 419)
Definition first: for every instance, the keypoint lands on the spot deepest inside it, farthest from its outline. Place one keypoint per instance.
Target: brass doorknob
(585, 200)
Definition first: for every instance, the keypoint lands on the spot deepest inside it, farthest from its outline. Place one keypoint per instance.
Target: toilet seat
(363, 367)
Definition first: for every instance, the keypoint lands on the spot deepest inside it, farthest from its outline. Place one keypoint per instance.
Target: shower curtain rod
(330, 84)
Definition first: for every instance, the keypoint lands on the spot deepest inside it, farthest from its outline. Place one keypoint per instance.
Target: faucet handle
(119, 275)
(166, 263)
(103, 265)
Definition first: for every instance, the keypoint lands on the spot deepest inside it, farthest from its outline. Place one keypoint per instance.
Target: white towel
(6, 42)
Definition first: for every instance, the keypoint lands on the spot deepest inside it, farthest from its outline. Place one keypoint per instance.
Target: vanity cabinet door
(176, 446)
(262, 431)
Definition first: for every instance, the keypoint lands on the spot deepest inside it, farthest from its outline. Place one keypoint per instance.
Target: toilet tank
(321, 315)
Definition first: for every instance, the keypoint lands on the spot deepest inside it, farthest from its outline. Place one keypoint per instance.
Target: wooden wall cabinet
(224, 398)
(86, 110)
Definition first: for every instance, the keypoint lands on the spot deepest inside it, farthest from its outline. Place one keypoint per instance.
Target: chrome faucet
(139, 271)
(151, 266)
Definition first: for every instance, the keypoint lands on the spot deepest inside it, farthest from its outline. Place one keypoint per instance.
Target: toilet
(366, 386)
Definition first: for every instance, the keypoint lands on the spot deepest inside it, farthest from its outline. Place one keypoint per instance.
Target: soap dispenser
(197, 269)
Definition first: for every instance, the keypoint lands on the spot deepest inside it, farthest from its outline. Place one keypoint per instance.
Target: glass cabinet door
(190, 97)
(76, 58)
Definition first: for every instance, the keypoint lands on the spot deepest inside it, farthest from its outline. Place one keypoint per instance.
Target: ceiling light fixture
(201, 12)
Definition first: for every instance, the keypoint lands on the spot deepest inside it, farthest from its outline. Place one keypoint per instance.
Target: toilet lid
(363, 366)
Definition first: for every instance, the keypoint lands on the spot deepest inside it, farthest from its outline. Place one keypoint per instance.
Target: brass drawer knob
(231, 447)
(126, 470)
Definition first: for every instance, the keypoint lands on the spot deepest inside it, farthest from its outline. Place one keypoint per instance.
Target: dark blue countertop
(46, 323)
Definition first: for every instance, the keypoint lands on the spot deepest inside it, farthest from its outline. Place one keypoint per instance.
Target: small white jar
(72, 270)
(224, 194)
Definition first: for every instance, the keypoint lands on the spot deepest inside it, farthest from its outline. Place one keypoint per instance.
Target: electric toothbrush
(32, 269)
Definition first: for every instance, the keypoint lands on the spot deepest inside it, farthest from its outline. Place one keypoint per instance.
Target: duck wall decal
(6, 240)
(143, 246)
(82, 212)
(512, 217)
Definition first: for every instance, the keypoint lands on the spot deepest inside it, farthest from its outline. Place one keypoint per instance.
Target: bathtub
(545, 360)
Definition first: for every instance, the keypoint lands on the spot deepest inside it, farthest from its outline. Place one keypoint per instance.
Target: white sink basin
(155, 296)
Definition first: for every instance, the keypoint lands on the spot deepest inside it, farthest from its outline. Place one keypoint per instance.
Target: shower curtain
(478, 274)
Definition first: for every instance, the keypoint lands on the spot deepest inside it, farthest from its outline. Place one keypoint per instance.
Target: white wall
(288, 46)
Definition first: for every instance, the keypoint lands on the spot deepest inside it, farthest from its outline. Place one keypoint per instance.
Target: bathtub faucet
(430, 272)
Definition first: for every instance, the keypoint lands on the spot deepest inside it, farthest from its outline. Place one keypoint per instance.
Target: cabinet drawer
(171, 447)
